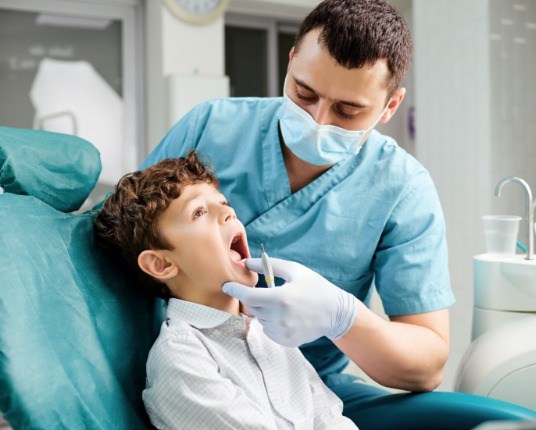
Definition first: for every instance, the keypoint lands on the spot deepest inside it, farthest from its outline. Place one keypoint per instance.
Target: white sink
(505, 283)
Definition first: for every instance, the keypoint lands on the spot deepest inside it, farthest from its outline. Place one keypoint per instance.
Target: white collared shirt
(209, 369)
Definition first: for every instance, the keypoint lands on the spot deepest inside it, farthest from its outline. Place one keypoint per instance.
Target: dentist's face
(332, 94)
(209, 242)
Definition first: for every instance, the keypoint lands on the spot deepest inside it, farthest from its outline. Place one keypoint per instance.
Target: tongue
(235, 256)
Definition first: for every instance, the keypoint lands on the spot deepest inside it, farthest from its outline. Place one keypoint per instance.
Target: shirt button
(278, 401)
(238, 324)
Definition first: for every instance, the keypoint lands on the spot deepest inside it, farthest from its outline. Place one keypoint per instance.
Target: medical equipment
(501, 233)
(267, 268)
(529, 210)
(74, 330)
(501, 360)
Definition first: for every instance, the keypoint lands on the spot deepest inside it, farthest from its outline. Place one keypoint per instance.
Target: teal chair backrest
(74, 329)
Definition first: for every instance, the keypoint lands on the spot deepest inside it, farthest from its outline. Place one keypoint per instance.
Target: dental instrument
(267, 268)
(529, 209)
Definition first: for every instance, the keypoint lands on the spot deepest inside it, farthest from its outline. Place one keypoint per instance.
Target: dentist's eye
(346, 112)
(198, 212)
(345, 115)
(306, 99)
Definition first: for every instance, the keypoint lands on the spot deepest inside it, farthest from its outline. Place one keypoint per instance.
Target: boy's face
(209, 242)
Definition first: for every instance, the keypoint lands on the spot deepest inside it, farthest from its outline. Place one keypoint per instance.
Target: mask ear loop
(374, 124)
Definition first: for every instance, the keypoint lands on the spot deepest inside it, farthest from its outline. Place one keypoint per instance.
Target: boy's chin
(250, 280)
(247, 278)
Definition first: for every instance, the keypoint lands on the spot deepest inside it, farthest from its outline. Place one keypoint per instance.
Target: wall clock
(197, 12)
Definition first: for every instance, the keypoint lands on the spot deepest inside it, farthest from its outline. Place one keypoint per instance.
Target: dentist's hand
(305, 308)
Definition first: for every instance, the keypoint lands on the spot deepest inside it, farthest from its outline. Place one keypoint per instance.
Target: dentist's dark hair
(128, 223)
(359, 32)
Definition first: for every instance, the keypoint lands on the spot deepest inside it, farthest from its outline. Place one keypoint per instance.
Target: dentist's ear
(155, 264)
(290, 57)
(394, 102)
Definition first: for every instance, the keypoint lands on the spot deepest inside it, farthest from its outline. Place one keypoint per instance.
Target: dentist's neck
(300, 173)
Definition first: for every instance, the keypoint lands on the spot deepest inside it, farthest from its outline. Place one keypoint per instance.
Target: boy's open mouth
(238, 248)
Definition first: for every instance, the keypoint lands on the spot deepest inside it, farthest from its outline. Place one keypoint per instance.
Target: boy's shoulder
(174, 339)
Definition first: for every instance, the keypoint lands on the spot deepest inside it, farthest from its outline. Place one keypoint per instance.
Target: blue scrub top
(374, 216)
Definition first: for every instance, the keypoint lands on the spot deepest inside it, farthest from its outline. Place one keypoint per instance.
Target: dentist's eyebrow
(344, 102)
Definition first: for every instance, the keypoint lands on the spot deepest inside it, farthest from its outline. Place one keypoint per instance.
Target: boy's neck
(221, 301)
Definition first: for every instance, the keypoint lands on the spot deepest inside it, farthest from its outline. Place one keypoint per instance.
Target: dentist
(337, 203)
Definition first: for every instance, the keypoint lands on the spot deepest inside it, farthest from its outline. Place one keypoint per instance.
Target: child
(212, 367)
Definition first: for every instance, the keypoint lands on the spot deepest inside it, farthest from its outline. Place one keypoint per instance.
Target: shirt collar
(199, 316)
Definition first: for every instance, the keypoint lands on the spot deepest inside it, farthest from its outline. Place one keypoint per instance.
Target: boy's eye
(198, 212)
(225, 203)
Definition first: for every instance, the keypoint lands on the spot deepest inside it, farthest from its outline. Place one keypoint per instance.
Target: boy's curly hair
(128, 223)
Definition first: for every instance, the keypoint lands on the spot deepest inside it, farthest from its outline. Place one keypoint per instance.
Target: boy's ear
(156, 265)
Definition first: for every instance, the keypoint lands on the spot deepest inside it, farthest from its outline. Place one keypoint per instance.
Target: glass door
(256, 54)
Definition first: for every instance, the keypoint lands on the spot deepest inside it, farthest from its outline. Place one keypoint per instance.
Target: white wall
(292, 10)
(452, 94)
(399, 126)
(474, 75)
(513, 91)
(185, 66)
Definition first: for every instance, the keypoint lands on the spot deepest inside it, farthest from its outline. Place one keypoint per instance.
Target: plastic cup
(501, 233)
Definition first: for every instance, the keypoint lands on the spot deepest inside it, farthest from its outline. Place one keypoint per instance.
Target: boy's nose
(227, 214)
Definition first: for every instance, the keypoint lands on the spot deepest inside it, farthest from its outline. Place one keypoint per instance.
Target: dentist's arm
(407, 352)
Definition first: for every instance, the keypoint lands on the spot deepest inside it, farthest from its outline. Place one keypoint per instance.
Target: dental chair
(75, 330)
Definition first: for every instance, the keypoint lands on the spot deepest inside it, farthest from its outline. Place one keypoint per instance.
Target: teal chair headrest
(58, 169)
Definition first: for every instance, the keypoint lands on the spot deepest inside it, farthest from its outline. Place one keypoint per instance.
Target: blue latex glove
(305, 308)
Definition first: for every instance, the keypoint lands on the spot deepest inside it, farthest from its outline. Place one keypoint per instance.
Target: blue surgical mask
(314, 143)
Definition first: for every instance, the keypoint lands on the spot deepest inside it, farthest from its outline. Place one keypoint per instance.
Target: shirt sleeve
(184, 390)
(411, 262)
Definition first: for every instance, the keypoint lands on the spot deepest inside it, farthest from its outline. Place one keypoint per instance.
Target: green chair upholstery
(58, 169)
(74, 331)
